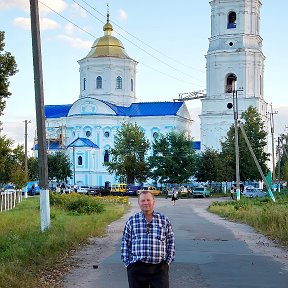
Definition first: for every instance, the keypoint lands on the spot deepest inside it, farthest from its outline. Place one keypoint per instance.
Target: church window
(80, 160)
(231, 20)
(84, 84)
(230, 83)
(88, 133)
(118, 82)
(99, 82)
(106, 134)
(132, 85)
(106, 156)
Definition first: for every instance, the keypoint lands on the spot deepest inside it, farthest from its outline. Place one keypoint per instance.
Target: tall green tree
(59, 166)
(128, 154)
(8, 67)
(173, 159)
(254, 127)
(17, 167)
(282, 151)
(210, 166)
(5, 152)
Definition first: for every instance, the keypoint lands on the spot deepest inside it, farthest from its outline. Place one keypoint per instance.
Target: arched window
(230, 83)
(118, 82)
(99, 82)
(231, 20)
(132, 85)
(80, 161)
(84, 84)
(106, 156)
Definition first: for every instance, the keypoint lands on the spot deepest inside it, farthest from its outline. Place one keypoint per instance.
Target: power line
(151, 55)
(138, 39)
(85, 31)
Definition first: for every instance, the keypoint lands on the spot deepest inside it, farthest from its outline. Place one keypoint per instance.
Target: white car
(254, 193)
(83, 189)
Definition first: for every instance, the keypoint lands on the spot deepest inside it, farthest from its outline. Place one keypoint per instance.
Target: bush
(77, 203)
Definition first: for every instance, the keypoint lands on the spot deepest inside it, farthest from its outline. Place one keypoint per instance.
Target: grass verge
(26, 252)
(267, 217)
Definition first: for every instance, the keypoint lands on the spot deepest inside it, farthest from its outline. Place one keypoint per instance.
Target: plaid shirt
(149, 242)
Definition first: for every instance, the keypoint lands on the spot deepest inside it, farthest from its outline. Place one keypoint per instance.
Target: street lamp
(235, 113)
(25, 135)
(26, 158)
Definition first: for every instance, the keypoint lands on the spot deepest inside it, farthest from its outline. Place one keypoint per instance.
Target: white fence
(9, 199)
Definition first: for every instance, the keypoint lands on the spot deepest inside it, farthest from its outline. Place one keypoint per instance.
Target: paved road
(210, 252)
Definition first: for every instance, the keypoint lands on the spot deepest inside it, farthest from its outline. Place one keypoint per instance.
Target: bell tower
(234, 65)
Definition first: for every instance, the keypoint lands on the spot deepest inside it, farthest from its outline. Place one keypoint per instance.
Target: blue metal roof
(57, 111)
(53, 145)
(134, 110)
(82, 142)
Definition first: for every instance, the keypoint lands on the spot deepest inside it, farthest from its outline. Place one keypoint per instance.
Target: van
(118, 189)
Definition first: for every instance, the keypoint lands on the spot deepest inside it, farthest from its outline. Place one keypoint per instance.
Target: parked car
(152, 189)
(132, 190)
(254, 193)
(83, 189)
(96, 190)
(184, 192)
(32, 188)
(119, 189)
(201, 192)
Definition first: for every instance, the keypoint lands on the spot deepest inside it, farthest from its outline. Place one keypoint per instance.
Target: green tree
(173, 159)
(5, 151)
(282, 152)
(8, 67)
(33, 170)
(59, 166)
(210, 166)
(128, 154)
(254, 128)
(17, 167)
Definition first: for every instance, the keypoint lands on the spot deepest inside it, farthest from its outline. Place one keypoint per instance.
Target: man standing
(148, 246)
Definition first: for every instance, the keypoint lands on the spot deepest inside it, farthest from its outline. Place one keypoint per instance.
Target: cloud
(56, 5)
(45, 23)
(22, 4)
(78, 10)
(75, 42)
(122, 15)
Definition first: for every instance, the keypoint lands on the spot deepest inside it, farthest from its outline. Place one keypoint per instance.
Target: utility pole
(235, 113)
(279, 160)
(271, 118)
(40, 119)
(256, 162)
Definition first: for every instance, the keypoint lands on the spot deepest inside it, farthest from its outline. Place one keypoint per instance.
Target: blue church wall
(100, 180)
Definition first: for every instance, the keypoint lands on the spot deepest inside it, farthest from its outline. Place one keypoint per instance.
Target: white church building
(234, 68)
(85, 129)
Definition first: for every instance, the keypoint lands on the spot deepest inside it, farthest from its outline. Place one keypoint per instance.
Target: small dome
(107, 45)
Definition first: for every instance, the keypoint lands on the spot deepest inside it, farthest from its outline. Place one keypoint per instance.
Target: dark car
(132, 190)
(95, 190)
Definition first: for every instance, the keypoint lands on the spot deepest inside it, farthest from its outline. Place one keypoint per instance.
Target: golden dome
(107, 45)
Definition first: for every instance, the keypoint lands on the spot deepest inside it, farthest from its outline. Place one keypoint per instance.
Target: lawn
(267, 217)
(26, 253)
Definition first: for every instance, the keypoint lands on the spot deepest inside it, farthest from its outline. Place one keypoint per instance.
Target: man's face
(146, 203)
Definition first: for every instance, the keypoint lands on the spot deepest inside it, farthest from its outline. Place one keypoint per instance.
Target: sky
(168, 38)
